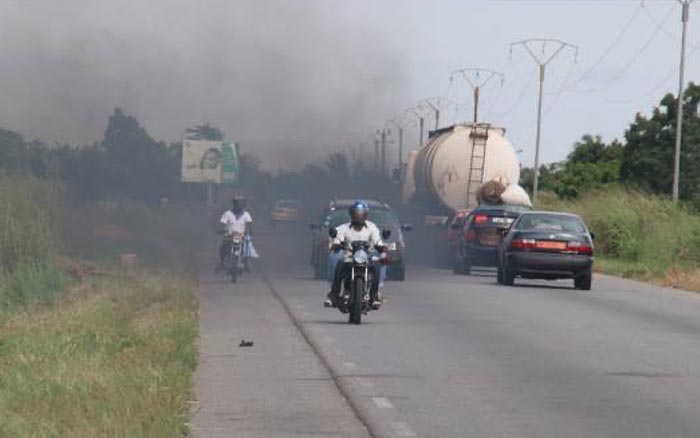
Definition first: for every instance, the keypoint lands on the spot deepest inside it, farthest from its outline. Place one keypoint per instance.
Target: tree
(590, 165)
(135, 164)
(204, 132)
(647, 157)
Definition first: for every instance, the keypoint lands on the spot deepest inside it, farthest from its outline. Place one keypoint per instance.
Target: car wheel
(584, 282)
(464, 266)
(456, 263)
(507, 277)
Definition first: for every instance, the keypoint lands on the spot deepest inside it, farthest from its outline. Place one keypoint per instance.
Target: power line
(612, 45)
(632, 60)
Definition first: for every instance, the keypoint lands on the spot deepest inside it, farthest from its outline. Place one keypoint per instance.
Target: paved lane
(452, 356)
(276, 388)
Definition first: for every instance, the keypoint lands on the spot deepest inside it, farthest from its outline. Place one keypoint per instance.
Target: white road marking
(383, 403)
(328, 339)
(402, 429)
(350, 365)
(304, 315)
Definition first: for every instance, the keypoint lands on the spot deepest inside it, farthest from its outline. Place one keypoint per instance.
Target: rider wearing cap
(358, 229)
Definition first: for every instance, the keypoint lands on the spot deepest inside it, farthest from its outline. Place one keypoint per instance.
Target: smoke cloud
(288, 79)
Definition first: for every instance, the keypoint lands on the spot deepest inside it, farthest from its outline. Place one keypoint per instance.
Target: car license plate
(489, 237)
(502, 220)
(548, 244)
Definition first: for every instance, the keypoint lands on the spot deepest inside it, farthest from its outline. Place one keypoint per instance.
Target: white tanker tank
(448, 171)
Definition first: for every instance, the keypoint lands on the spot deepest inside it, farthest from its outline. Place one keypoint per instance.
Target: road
(460, 356)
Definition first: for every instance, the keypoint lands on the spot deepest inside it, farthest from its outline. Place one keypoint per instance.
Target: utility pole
(400, 123)
(383, 135)
(685, 15)
(376, 152)
(416, 112)
(542, 61)
(437, 104)
(477, 78)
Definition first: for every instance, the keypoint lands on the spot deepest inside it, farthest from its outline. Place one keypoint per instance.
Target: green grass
(111, 359)
(84, 355)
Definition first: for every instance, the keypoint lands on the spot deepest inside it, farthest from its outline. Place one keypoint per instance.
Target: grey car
(547, 245)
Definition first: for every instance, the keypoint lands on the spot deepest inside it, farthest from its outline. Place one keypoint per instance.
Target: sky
(294, 80)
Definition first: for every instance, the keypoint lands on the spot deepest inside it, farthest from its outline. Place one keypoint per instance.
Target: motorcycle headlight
(360, 257)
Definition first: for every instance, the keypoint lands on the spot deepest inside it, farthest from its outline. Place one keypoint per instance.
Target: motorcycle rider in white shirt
(235, 220)
(358, 229)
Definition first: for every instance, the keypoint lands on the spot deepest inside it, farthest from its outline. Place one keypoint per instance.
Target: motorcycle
(356, 288)
(235, 262)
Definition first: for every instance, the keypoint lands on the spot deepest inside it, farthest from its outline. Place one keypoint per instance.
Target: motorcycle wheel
(358, 292)
(233, 272)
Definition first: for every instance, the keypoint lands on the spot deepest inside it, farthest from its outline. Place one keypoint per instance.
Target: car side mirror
(505, 231)
(386, 234)
(592, 235)
(314, 227)
(406, 227)
(333, 232)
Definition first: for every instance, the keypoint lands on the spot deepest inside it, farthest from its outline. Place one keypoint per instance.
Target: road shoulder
(277, 387)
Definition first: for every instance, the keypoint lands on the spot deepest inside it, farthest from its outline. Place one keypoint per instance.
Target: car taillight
(481, 219)
(580, 248)
(523, 244)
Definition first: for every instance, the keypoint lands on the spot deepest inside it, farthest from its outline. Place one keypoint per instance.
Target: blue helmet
(359, 210)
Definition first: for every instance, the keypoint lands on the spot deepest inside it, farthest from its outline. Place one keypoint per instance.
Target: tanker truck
(444, 176)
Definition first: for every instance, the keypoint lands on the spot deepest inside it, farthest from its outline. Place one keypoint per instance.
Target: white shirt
(235, 224)
(369, 233)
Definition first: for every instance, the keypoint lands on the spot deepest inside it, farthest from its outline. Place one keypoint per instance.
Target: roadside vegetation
(87, 348)
(622, 189)
(112, 357)
(639, 235)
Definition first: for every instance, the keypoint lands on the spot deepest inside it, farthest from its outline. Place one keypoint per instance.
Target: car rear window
(551, 222)
(379, 216)
(287, 204)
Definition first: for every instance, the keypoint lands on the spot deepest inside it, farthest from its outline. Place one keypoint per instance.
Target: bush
(26, 231)
(28, 247)
(636, 226)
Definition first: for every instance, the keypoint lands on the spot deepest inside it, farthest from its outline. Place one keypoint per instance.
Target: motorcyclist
(358, 229)
(235, 220)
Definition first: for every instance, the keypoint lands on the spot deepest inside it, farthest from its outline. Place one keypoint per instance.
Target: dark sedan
(547, 245)
(481, 235)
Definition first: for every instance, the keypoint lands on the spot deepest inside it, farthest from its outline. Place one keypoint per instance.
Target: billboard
(209, 162)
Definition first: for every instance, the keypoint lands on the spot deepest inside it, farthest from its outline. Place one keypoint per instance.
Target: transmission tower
(477, 78)
(542, 59)
(437, 104)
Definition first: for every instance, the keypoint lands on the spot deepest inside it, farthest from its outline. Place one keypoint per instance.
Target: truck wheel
(319, 272)
(399, 272)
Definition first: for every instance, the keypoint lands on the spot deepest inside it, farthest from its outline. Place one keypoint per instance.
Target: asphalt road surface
(460, 356)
